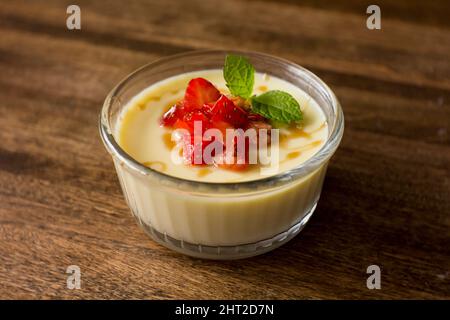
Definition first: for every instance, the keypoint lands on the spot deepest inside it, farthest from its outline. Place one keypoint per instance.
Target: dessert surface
(141, 134)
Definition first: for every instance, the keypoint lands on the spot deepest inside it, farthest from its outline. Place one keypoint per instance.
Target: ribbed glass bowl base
(226, 252)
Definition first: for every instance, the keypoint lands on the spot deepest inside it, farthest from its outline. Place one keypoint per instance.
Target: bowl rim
(284, 177)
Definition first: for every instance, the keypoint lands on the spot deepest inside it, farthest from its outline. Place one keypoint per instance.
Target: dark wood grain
(386, 198)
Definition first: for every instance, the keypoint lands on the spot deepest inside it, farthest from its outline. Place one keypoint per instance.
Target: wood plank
(386, 198)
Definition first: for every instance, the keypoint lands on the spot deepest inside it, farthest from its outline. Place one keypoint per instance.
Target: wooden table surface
(386, 197)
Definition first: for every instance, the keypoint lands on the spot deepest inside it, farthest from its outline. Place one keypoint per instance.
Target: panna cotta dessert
(223, 157)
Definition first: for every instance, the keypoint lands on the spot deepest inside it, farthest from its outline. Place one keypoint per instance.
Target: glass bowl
(221, 220)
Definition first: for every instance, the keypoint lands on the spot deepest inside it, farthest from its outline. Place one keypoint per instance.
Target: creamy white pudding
(140, 134)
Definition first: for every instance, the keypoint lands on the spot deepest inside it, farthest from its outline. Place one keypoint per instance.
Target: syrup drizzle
(295, 132)
(156, 165)
(203, 172)
(293, 155)
(143, 104)
(167, 139)
(298, 150)
(262, 88)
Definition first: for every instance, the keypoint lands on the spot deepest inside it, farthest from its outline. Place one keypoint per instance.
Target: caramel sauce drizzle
(297, 153)
(307, 146)
(203, 172)
(293, 155)
(157, 165)
(296, 132)
(262, 88)
(143, 104)
(299, 133)
(311, 145)
(167, 139)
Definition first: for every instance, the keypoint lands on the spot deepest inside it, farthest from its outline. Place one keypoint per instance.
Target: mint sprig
(239, 75)
(278, 105)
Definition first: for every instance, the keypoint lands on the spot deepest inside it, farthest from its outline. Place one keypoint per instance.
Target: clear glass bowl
(221, 220)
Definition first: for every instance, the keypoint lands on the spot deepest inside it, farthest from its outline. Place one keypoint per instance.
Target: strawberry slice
(222, 126)
(172, 115)
(225, 110)
(199, 116)
(208, 108)
(199, 92)
(187, 121)
(190, 144)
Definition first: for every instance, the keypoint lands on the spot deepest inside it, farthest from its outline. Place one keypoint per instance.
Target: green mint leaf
(239, 76)
(277, 105)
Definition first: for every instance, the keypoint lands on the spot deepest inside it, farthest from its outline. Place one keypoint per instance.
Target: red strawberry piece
(199, 92)
(181, 124)
(190, 143)
(208, 108)
(172, 115)
(222, 126)
(225, 110)
(188, 120)
(197, 116)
